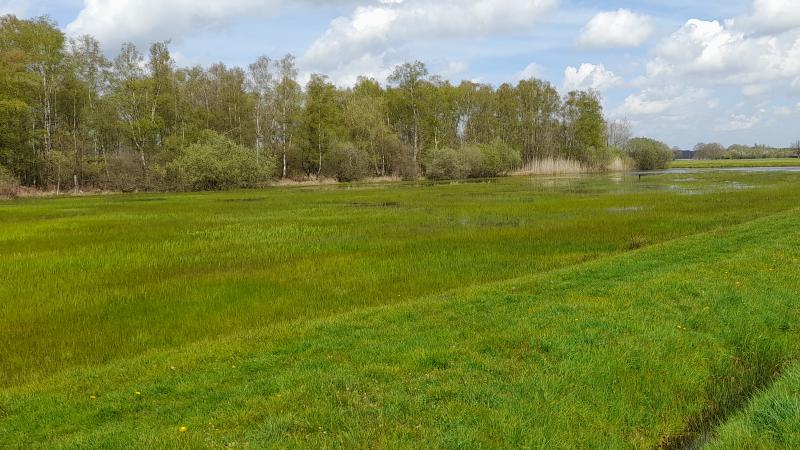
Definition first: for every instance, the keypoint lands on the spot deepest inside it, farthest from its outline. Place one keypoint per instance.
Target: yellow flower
(93, 397)
(137, 393)
(183, 429)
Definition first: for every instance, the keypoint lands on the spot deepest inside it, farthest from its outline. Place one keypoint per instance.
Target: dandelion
(183, 429)
(137, 393)
(93, 397)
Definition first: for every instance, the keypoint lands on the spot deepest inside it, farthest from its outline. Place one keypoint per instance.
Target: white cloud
(739, 122)
(775, 15)
(379, 32)
(532, 70)
(145, 21)
(673, 99)
(621, 28)
(590, 76)
(453, 68)
(724, 55)
(755, 90)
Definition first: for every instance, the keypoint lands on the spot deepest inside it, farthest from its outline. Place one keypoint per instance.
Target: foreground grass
(723, 163)
(87, 281)
(625, 352)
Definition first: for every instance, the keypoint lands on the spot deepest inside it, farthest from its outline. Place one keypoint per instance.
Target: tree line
(72, 118)
(718, 151)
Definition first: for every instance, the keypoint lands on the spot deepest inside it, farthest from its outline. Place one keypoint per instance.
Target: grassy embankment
(316, 317)
(723, 163)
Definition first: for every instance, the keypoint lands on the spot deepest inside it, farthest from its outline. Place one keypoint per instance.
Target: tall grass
(562, 166)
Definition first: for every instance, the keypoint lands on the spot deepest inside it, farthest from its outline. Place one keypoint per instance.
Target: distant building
(686, 154)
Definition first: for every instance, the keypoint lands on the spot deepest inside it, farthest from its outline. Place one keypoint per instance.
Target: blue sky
(682, 71)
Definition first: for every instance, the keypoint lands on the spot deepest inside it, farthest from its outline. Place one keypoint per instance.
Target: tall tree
(584, 125)
(287, 106)
(408, 79)
(262, 84)
(321, 118)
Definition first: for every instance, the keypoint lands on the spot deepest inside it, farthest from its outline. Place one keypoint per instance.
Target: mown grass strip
(619, 353)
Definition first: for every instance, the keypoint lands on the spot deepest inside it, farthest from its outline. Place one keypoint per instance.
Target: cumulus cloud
(590, 76)
(532, 70)
(621, 28)
(673, 99)
(731, 57)
(775, 15)
(143, 21)
(379, 32)
(739, 122)
(453, 68)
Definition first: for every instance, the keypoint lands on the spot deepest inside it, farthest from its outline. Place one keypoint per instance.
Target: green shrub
(649, 154)
(215, 162)
(445, 164)
(9, 184)
(709, 151)
(347, 163)
(492, 160)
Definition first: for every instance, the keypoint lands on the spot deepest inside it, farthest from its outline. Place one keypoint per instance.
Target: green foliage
(445, 164)
(216, 162)
(757, 152)
(649, 154)
(709, 151)
(8, 183)
(491, 160)
(586, 127)
(346, 162)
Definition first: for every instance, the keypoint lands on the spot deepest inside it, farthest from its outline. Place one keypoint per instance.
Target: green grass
(772, 420)
(505, 314)
(723, 163)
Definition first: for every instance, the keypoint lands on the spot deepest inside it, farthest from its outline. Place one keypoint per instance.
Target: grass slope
(86, 281)
(624, 352)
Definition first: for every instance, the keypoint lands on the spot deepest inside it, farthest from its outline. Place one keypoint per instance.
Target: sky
(681, 71)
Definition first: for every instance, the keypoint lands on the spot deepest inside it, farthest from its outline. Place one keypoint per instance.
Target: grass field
(558, 312)
(722, 163)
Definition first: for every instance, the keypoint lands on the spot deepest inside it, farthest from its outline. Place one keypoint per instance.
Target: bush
(491, 160)
(9, 184)
(445, 164)
(400, 159)
(757, 152)
(649, 154)
(709, 151)
(347, 163)
(216, 163)
(600, 158)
